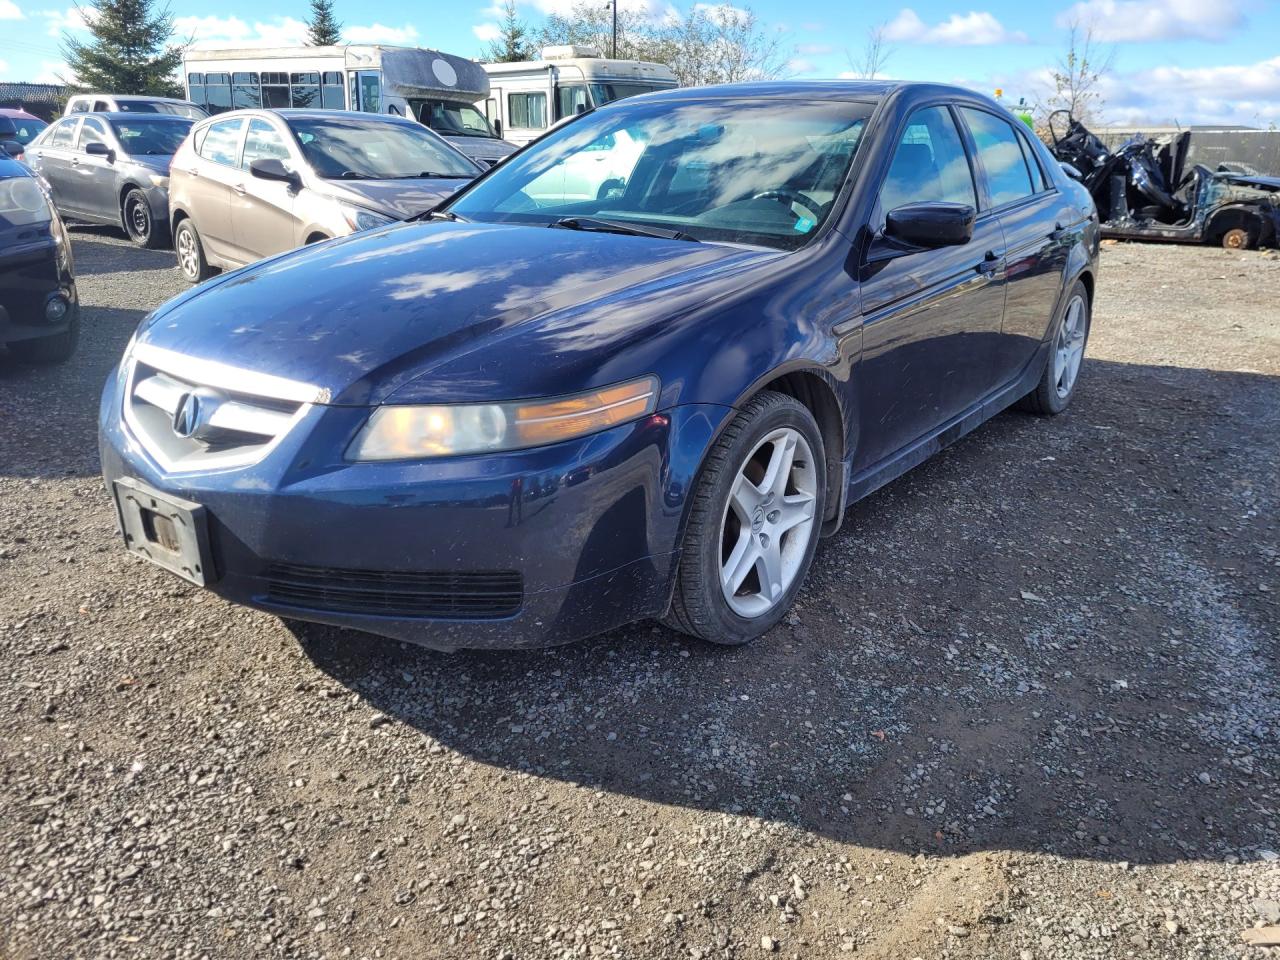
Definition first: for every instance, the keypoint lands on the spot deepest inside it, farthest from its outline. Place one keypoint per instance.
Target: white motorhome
(527, 98)
(437, 89)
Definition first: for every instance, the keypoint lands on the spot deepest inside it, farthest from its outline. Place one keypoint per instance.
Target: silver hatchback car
(252, 183)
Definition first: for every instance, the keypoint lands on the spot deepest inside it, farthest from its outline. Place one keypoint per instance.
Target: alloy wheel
(768, 523)
(1068, 349)
(188, 258)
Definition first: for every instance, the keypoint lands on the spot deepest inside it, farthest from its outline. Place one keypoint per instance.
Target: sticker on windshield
(804, 225)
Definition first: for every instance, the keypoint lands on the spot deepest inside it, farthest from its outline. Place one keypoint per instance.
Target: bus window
(217, 91)
(306, 89)
(245, 92)
(275, 90)
(370, 92)
(332, 96)
(195, 83)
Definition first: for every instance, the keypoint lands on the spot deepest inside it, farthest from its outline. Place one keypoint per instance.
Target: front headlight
(413, 432)
(23, 203)
(359, 218)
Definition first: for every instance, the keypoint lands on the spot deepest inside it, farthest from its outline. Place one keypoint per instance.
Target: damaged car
(1144, 190)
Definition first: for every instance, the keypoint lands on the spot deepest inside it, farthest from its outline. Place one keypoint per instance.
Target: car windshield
(763, 172)
(25, 129)
(188, 110)
(355, 149)
(154, 136)
(450, 119)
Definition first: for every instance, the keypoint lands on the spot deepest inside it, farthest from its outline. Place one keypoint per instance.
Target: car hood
(438, 311)
(397, 198)
(1250, 180)
(483, 146)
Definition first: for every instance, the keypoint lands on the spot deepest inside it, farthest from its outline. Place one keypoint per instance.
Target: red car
(25, 127)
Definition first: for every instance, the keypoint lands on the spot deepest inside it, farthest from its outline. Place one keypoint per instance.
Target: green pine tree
(130, 50)
(323, 29)
(512, 44)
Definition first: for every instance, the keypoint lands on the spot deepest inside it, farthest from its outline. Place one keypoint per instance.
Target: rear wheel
(141, 226)
(1238, 238)
(191, 259)
(1066, 356)
(754, 524)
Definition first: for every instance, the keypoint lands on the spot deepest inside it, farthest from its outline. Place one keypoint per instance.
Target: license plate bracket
(169, 531)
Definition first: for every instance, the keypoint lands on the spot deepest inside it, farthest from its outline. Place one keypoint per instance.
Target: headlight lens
(23, 203)
(414, 432)
(360, 219)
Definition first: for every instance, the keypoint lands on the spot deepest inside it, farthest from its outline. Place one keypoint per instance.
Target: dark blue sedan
(635, 371)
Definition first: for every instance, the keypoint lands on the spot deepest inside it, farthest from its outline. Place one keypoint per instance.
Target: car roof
(813, 90)
(13, 112)
(129, 96)
(129, 115)
(284, 113)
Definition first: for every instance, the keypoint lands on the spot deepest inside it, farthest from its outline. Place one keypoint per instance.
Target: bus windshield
(607, 91)
(450, 118)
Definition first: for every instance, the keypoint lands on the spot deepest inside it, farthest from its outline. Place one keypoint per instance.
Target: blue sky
(1190, 61)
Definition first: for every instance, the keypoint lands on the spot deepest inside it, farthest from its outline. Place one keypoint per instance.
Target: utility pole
(614, 55)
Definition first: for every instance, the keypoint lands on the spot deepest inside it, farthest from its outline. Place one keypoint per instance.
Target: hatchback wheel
(140, 224)
(191, 259)
(1066, 357)
(754, 524)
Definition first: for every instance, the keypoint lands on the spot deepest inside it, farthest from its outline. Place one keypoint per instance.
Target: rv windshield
(452, 119)
(762, 172)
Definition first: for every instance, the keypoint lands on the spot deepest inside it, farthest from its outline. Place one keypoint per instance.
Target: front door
(931, 316)
(262, 210)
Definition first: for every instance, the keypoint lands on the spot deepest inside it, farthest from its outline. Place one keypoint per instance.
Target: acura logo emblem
(192, 416)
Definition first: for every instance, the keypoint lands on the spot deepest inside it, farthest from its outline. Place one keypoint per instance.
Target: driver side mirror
(99, 149)
(269, 168)
(931, 224)
(13, 148)
(497, 128)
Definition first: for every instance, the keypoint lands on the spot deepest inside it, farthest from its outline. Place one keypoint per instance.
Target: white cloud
(486, 32)
(723, 12)
(654, 9)
(814, 49)
(54, 71)
(1144, 20)
(972, 29)
(212, 32)
(800, 66)
(4, 68)
(9, 11)
(377, 33)
(71, 19)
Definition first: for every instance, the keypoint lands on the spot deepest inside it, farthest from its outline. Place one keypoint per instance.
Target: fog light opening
(55, 311)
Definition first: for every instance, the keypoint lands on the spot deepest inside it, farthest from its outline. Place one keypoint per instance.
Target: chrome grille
(195, 415)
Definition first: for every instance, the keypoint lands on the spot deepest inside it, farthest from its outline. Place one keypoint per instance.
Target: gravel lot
(1027, 707)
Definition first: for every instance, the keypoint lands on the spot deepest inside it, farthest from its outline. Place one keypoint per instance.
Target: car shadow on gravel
(106, 257)
(1037, 641)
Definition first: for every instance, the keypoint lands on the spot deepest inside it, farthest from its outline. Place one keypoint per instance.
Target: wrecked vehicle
(1143, 190)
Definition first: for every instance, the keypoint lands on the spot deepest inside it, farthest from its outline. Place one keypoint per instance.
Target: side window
(570, 99)
(929, 163)
(528, 111)
(80, 106)
(1038, 176)
(64, 134)
(263, 142)
(101, 106)
(1008, 178)
(222, 141)
(91, 131)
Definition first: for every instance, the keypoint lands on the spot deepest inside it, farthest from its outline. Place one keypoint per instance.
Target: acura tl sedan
(522, 418)
(112, 168)
(252, 183)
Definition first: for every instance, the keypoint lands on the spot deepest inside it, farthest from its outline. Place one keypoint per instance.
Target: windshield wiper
(448, 215)
(353, 175)
(599, 225)
(429, 175)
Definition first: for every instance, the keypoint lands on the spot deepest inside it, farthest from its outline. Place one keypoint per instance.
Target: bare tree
(1079, 74)
(875, 54)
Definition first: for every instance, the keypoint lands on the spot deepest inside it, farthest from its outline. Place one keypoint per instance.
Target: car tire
(1239, 238)
(139, 224)
(1065, 362)
(738, 523)
(55, 349)
(186, 242)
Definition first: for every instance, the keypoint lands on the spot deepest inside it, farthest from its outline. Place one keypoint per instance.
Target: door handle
(990, 263)
(193, 171)
(1058, 232)
(75, 161)
(239, 188)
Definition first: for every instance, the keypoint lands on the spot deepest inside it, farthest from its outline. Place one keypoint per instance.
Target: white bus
(527, 98)
(438, 89)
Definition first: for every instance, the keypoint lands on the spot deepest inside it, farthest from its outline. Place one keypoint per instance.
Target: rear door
(1035, 218)
(93, 178)
(262, 211)
(52, 160)
(214, 171)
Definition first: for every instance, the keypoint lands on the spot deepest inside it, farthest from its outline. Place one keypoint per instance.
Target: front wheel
(1061, 374)
(191, 259)
(754, 524)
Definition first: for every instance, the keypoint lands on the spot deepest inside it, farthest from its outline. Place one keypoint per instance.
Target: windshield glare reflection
(758, 172)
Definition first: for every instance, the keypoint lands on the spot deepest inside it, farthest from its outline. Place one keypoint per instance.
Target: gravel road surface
(1028, 705)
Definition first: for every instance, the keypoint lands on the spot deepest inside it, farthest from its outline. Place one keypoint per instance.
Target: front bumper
(591, 527)
(31, 274)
